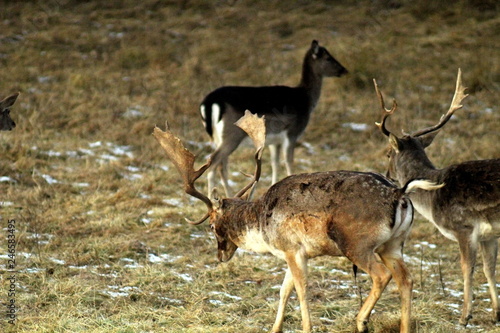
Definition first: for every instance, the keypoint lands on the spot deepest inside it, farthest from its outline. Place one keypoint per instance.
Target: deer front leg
(297, 264)
(285, 291)
(489, 251)
(288, 152)
(468, 253)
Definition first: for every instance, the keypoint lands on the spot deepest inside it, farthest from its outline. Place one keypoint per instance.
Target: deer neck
(413, 165)
(416, 165)
(311, 82)
(239, 218)
(244, 227)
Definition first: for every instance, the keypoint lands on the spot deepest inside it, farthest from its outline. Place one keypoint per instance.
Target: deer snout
(342, 71)
(226, 250)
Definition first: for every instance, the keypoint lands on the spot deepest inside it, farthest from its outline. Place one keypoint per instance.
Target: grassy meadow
(102, 245)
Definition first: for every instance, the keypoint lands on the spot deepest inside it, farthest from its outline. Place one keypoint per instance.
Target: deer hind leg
(220, 166)
(468, 252)
(220, 160)
(393, 260)
(275, 161)
(489, 251)
(225, 177)
(380, 276)
(285, 291)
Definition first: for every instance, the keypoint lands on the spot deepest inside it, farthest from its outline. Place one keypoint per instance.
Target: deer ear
(394, 142)
(427, 139)
(7, 102)
(315, 48)
(215, 198)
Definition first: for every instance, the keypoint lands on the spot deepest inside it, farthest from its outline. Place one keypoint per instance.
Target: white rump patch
(203, 114)
(217, 126)
(403, 218)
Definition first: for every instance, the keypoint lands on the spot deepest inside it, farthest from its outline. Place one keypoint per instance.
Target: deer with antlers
(6, 122)
(465, 210)
(362, 216)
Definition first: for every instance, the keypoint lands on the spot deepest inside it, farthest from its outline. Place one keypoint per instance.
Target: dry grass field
(102, 245)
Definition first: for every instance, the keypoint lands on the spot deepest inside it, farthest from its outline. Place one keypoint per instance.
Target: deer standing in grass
(6, 122)
(287, 111)
(362, 216)
(465, 210)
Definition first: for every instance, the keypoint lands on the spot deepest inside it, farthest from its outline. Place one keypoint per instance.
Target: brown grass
(102, 244)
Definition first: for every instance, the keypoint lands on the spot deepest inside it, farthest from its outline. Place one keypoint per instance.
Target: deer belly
(276, 138)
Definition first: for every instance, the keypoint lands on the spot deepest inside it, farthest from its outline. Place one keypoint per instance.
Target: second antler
(183, 159)
(458, 97)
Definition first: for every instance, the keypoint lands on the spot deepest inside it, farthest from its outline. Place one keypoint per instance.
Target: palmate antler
(458, 97)
(183, 159)
(255, 127)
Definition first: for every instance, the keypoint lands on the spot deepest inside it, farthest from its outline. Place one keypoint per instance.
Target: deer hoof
(465, 320)
(362, 327)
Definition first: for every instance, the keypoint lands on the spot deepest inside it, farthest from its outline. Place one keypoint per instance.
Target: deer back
(285, 107)
(324, 213)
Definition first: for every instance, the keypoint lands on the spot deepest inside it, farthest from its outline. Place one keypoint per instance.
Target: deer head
(417, 141)
(322, 62)
(6, 122)
(184, 160)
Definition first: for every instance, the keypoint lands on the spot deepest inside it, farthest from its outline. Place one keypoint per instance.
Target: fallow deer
(6, 122)
(287, 111)
(465, 210)
(362, 216)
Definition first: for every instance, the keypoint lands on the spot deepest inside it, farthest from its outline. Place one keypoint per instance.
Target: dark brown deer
(287, 111)
(466, 210)
(362, 216)
(6, 122)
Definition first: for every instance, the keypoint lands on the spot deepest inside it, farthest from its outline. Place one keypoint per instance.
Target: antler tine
(386, 112)
(183, 160)
(255, 127)
(458, 97)
(256, 176)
